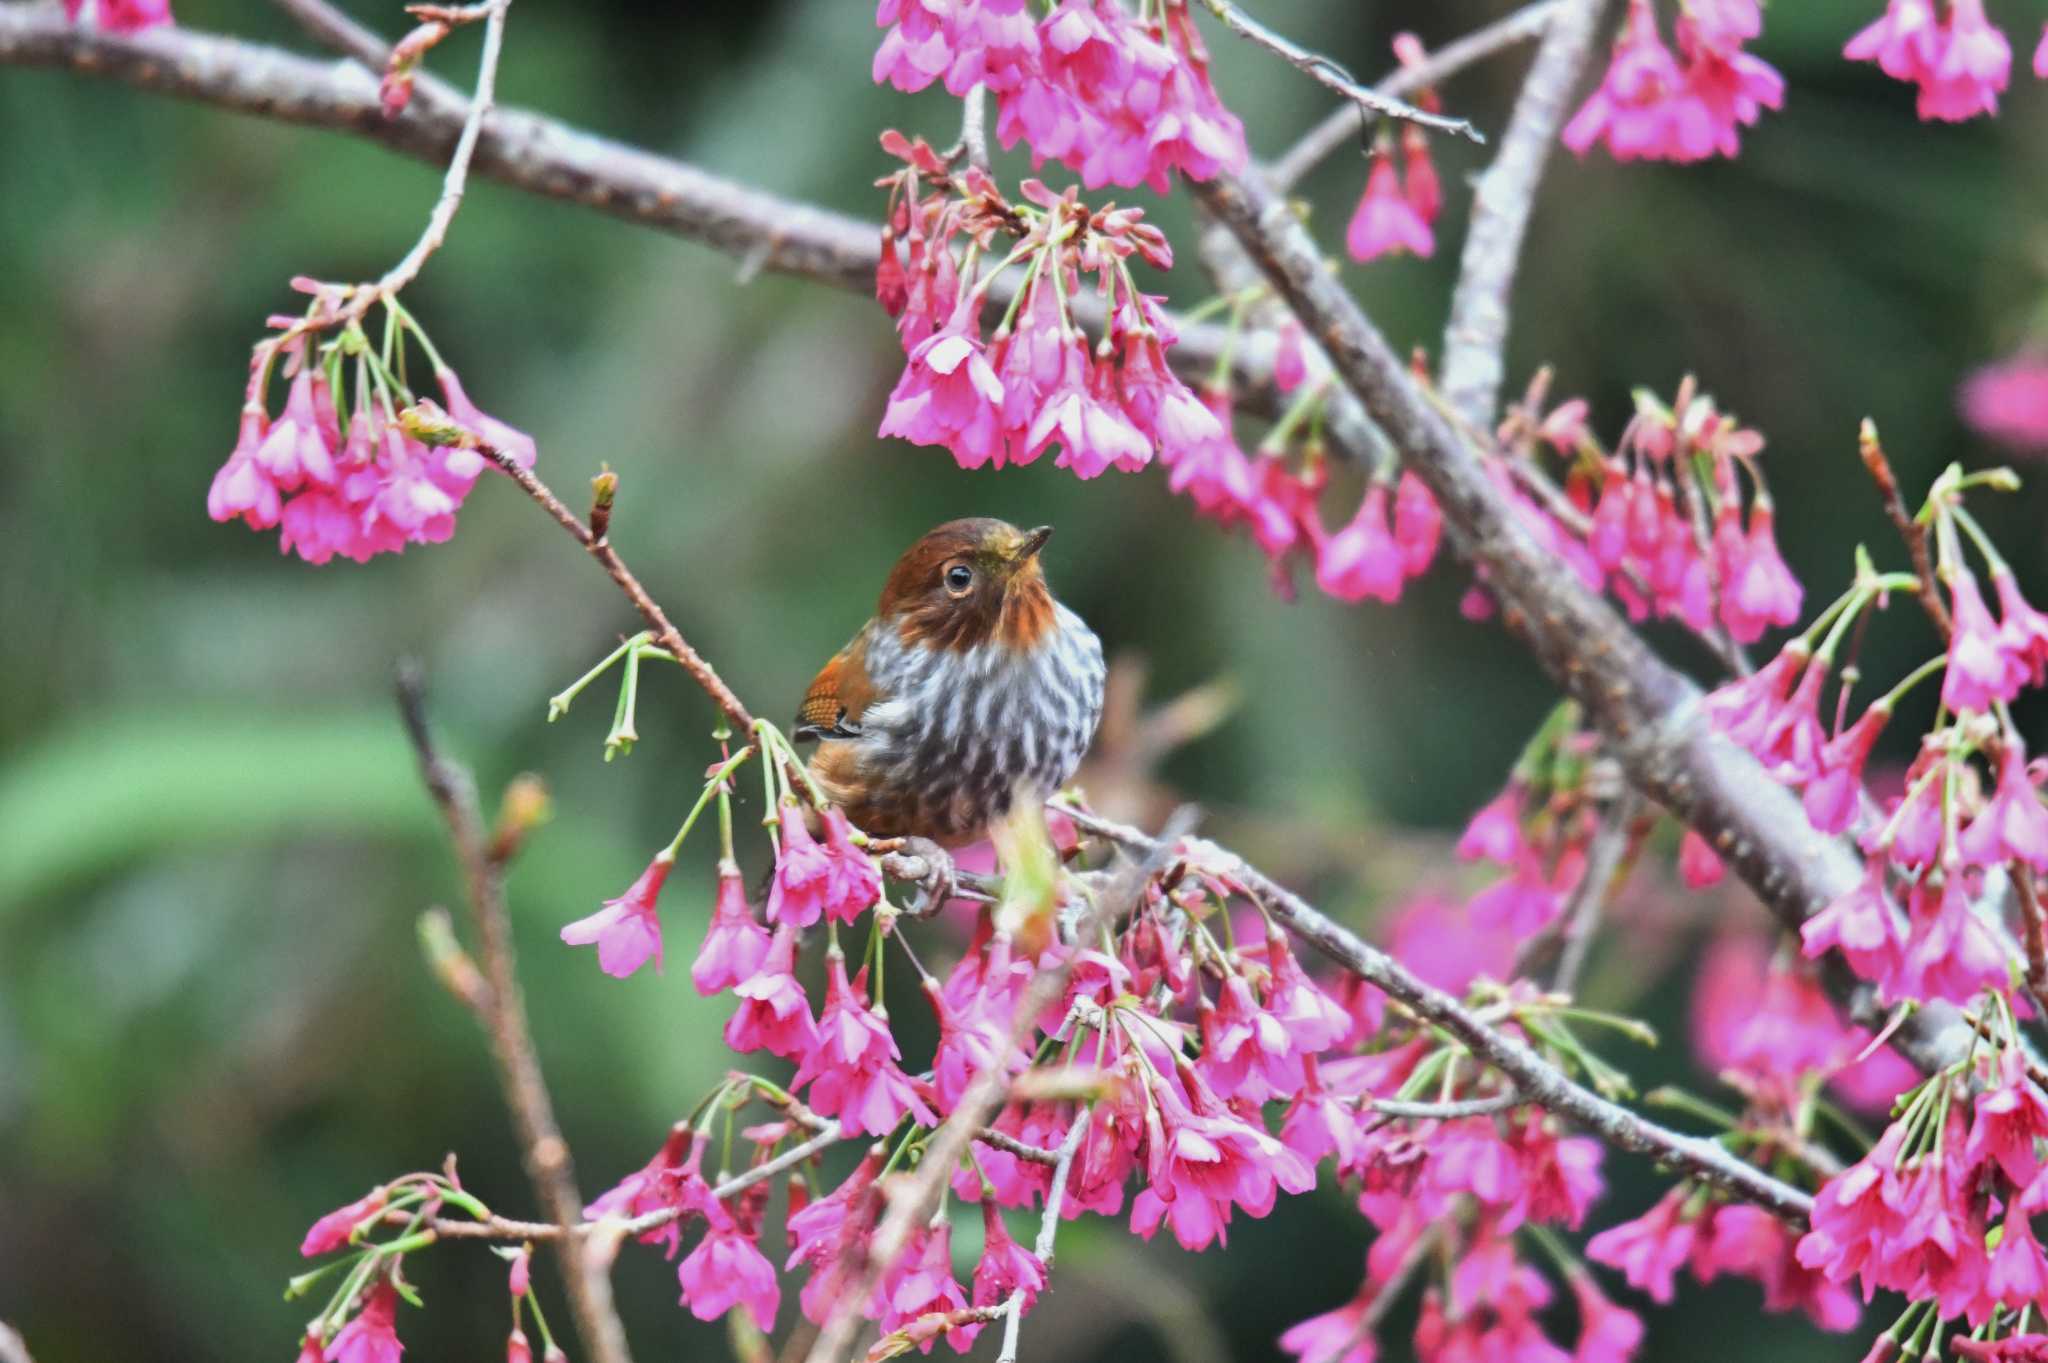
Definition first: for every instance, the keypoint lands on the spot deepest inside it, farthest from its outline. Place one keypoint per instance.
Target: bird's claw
(927, 868)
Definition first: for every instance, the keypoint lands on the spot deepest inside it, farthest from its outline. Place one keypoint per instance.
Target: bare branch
(1536, 1079)
(336, 30)
(1340, 128)
(1331, 76)
(1650, 713)
(1911, 532)
(1607, 858)
(1476, 337)
(1448, 1111)
(544, 1152)
(1048, 1230)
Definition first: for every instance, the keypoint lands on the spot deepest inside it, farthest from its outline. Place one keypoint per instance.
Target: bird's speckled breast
(960, 733)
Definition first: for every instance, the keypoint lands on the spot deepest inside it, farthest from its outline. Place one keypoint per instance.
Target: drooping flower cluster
(1676, 522)
(1942, 1207)
(352, 478)
(1398, 210)
(1960, 62)
(1038, 382)
(1653, 105)
(1924, 922)
(1120, 100)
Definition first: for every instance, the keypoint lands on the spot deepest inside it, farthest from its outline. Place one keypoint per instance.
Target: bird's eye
(959, 578)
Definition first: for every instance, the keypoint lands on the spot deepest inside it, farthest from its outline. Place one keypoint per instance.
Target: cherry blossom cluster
(1119, 99)
(1037, 381)
(1960, 60)
(1656, 106)
(1968, 831)
(1941, 1210)
(2007, 401)
(1399, 209)
(1676, 522)
(352, 476)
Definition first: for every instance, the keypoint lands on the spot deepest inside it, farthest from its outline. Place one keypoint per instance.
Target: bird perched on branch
(970, 690)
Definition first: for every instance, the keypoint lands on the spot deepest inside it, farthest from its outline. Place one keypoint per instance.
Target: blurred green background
(214, 1023)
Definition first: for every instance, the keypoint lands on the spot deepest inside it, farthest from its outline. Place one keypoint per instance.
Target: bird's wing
(839, 695)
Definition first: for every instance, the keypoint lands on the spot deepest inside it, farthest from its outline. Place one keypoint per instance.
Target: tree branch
(1475, 339)
(542, 1149)
(1048, 1230)
(1340, 128)
(1650, 713)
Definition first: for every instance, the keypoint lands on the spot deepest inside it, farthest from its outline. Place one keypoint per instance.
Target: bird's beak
(1034, 540)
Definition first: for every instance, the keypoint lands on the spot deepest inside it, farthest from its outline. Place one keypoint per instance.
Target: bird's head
(969, 583)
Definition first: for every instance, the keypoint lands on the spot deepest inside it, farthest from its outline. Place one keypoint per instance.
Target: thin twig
(1449, 1111)
(1911, 531)
(1536, 1080)
(1048, 1229)
(1332, 76)
(1034, 1154)
(665, 632)
(1340, 128)
(973, 143)
(1476, 337)
(544, 1152)
(1607, 860)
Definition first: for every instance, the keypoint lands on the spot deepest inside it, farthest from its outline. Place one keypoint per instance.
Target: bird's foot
(927, 868)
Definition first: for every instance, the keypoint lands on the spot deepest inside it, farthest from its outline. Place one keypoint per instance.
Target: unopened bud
(603, 489)
(524, 808)
(425, 422)
(451, 965)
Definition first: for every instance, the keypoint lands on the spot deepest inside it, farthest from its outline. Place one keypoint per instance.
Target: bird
(969, 690)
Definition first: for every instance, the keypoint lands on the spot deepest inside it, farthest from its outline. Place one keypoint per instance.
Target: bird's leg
(925, 865)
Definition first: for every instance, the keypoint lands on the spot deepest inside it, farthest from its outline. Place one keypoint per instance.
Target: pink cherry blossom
(2013, 825)
(948, 394)
(1607, 1333)
(1981, 669)
(1385, 221)
(1861, 924)
(1005, 1266)
(851, 1066)
(331, 1231)
(627, 930)
(1650, 1250)
(672, 1182)
(1338, 1336)
(372, 1337)
(1362, 560)
(921, 1283)
(774, 1013)
(736, 945)
(1971, 70)
(727, 1269)
(1905, 41)
(804, 874)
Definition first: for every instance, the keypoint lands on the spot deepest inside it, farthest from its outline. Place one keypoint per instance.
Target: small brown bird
(970, 689)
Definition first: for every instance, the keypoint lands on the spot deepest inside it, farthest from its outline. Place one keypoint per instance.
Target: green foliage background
(214, 1024)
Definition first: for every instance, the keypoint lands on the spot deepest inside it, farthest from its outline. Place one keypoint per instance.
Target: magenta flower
(372, 1337)
(1644, 107)
(1607, 1333)
(672, 1181)
(1495, 832)
(1651, 1249)
(1335, 1336)
(727, 1269)
(1974, 63)
(1418, 523)
(331, 1231)
(967, 42)
(948, 394)
(1757, 589)
(1742, 709)
(1949, 952)
(2022, 630)
(805, 873)
(2013, 825)
(1905, 41)
(1246, 1051)
(2008, 401)
(851, 1066)
(855, 883)
(2011, 1115)
(1084, 414)
(774, 1013)
(1385, 221)
(1861, 925)
(1980, 669)
(1314, 1021)
(972, 1037)
(1005, 1265)
(1319, 1123)
(242, 489)
(627, 930)
(1698, 865)
(1520, 905)
(922, 1283)
(736, 945)
(2019, 1274)
(1835, 795)
(1362, 560)
(302, 444)
(474, 419)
